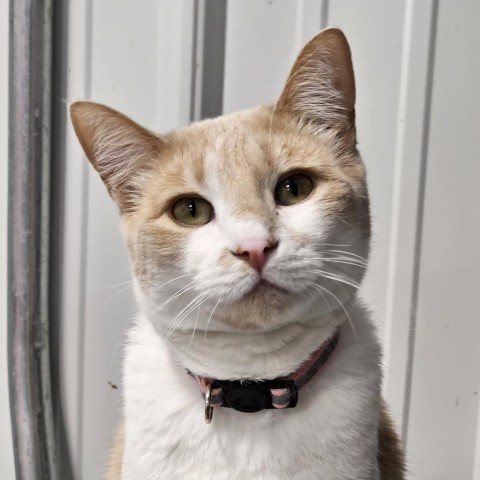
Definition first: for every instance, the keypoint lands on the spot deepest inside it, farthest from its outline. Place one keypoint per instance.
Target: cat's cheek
(203, 248)
(200, 246)
(304, 222)
(216, 272)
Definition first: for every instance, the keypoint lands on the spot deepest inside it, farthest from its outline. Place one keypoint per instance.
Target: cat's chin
(265, 287)
(265, 305)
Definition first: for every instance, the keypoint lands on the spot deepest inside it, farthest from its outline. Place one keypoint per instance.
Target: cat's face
(245, 221)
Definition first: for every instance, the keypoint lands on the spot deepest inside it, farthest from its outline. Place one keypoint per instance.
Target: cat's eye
(293, 189)
(192, 211)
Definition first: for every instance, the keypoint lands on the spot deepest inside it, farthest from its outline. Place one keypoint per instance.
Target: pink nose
(255, 252)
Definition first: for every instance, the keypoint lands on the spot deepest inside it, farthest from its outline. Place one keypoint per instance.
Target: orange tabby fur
(311, 129)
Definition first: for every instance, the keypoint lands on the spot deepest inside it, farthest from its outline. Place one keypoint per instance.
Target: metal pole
(28, 238)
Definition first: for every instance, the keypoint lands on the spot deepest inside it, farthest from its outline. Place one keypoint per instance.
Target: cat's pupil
(192, 207)
(292, 186)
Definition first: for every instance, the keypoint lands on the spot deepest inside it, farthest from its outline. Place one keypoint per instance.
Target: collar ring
(208, 407)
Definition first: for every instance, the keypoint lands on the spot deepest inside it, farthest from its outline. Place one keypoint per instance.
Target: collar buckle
(251, 396)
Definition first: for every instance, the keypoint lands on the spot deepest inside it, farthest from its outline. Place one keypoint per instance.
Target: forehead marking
(237, 224)
(245, 175)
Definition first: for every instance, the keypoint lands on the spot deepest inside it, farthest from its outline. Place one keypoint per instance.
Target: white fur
(330, 435)
(332, 432)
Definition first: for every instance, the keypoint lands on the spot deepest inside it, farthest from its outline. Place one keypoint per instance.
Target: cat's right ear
(119, 149)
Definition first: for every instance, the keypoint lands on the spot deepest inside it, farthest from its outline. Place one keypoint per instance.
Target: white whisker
(184, 289)
(209, 318)
(345, 262)
(172, 280)
(336, 277)
(328, 292)
(196, 322)
(180, 317)
(346, 253)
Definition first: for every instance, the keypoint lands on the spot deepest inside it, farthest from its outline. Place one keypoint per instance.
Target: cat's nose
(255, 252)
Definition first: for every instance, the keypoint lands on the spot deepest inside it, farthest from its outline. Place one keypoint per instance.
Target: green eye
(293, 189)
(192, 211)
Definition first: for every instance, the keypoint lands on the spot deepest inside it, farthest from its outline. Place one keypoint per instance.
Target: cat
(248, 236)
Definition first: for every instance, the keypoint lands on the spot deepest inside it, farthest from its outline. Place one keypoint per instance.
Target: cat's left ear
(320, 90)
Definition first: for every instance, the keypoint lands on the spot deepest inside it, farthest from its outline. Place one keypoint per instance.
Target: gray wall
(6, 450)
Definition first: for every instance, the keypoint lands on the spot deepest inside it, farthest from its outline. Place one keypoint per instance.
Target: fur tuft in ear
(320, 89)
(119, 149)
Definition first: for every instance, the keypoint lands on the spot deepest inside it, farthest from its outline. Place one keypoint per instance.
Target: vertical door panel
(263, 37)
(405, 216)
(446, 369)
(7, 469)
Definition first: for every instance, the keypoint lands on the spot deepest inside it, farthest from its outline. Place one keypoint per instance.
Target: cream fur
(204, 307)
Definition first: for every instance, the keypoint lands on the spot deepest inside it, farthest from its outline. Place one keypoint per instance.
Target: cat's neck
(254, 354)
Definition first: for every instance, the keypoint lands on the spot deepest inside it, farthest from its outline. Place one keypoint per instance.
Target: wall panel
(7, 469)
(263, 39)
(73, 241)
(444, 402)
(404, 220)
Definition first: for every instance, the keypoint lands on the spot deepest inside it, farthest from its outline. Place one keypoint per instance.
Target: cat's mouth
(266, 286)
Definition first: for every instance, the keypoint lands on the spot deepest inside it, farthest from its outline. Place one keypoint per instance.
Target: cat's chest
(264, 446)
(331, 431)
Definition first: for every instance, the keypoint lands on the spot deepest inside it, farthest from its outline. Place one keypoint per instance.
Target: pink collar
(246, 395)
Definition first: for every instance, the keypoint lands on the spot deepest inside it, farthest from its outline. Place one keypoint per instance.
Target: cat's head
(249, 220)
